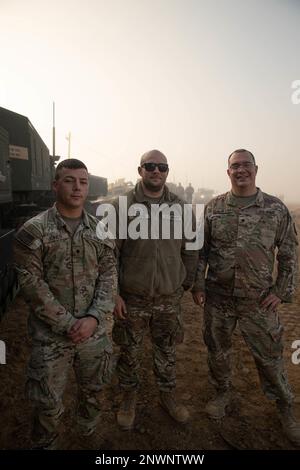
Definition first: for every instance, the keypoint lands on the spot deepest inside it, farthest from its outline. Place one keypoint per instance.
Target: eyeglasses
(236, 166)
(150, 166)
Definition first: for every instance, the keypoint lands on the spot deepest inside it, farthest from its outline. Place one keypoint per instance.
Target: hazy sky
(194, 78)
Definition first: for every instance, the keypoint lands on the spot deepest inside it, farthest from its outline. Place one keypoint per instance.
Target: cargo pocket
(107, 365)
(37, 388)
(179, 332)
(275, 331)
(120, 333)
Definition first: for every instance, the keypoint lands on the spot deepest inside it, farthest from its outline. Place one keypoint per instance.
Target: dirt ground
(251, 424)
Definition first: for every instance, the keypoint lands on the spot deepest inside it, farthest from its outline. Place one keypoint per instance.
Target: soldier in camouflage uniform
(153, 274)
(242, 230)
(189, 191)
(68, 277)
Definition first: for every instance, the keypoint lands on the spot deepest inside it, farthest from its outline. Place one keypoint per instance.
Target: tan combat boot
(216, 408)
(290, 426)
(126, 413)
(178, 412)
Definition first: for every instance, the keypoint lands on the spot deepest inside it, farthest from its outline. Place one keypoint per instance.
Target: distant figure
(243, 228)
(189, 191)
(180, 191)
(68, 277)
(153, 273)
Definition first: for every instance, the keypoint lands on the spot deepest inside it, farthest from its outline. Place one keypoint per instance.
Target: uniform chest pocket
(57, 242)
(56, 254)
(267, 229)
(262, 228)
(223, 228)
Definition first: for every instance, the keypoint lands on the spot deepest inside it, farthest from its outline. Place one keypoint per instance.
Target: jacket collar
(141, 197)
(56, 216)
(259, 201)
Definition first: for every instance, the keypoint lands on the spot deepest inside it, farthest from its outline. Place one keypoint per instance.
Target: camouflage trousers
(162, 316)
(48, 371)
(262, 333)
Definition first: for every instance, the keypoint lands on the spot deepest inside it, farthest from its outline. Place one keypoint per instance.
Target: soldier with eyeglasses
(243, 229)
(153, 273)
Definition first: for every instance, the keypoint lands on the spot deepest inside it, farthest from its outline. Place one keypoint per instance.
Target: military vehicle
(26, 174)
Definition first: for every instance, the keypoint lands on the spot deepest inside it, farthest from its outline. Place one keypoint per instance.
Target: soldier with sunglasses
(153, 274)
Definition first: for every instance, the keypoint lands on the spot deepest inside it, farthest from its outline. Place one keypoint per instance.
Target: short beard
(154, 188)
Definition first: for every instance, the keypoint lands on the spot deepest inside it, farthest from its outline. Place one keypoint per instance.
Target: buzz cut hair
(241, 151)
(152, 153)
(71, 163)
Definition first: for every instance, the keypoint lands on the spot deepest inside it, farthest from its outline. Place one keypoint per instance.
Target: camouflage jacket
(64, 276)
(155, 267)
(240, 245)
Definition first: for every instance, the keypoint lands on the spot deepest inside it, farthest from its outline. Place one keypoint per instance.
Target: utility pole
(53, 132)
(68, 137)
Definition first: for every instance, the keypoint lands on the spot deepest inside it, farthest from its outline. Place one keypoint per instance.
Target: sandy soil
(251, 424)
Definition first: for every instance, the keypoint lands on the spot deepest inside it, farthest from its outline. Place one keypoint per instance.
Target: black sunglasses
(163, 167)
